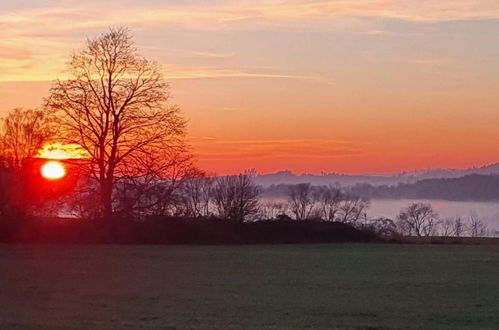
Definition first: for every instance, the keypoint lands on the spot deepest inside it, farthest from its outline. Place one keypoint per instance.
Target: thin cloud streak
(184, 72)
(92, 14)
(212, 55)
(226, 150)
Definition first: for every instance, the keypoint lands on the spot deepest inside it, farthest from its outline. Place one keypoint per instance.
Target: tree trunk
(106, 198)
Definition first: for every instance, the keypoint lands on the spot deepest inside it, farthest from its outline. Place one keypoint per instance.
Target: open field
(449, 240)
(344, 286)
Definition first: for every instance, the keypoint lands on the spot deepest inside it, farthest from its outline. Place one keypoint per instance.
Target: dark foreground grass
(343, 286)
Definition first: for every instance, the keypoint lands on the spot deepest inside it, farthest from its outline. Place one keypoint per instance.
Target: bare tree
(153, 186)
(330, 199)
(476, 227)
(196, 193)
(301, 200)
(23, 134)
(235, 197)
(418, 219)
(458, 227)
(446, 227)
(273, 209)
(452, 227)
(352, 209)
(115, 106)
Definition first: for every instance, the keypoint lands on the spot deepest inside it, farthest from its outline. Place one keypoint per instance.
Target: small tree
(418, 219)
(352, 209)
(23, 134)
(197, 189)
(272, 209)
(301, 200)
(458, 227)
(235, 197)
(330, 199)
(447, 227)
(476, 227)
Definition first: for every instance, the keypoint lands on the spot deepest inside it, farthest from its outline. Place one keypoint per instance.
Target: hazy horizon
(478, 166)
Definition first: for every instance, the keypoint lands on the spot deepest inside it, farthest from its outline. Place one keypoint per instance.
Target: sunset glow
(355, 86)
(53, 170)
(330, 153)
(61, 151)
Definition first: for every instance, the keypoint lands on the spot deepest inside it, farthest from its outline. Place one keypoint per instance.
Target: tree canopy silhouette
(22, 135)
(115, 106)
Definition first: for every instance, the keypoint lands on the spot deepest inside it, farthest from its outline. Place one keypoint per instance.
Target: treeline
(203, 209)
(178, 230)
(333, 203)
(473, 187)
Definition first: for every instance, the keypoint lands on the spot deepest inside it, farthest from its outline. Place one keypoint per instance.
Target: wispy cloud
(176, 72)
(71, 15)
(380, 33)
(216, 149)
(221, 15)
(424, 61)
(212, 54)
(41, 37)
(268, 11)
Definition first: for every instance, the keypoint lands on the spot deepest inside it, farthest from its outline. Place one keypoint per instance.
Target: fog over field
(487, 211)
(451, 192)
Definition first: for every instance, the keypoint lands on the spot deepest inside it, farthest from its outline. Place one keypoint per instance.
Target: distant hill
(449, 173)
(288, 177)
(473, 187)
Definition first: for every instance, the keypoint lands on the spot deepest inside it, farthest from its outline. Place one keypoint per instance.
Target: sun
(53, 170)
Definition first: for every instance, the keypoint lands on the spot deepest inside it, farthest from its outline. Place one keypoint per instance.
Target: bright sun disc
(53, 170)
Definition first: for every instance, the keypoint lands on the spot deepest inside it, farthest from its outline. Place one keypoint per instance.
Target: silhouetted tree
(301, 200)
(272, 209)
(352, 209)
(476, 227)
(196, 193)
(83, 201)
(23, 134)
(447, 227)
(235, 197)
(115, 106)
(418, 219)
(330, 199)
(458, 227)
(153, 185)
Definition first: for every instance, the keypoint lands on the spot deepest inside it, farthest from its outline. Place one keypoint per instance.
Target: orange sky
(354, 86)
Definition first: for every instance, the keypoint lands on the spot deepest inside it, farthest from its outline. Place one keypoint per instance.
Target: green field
(343, 286)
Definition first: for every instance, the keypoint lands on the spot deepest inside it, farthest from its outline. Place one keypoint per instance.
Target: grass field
(343, 286)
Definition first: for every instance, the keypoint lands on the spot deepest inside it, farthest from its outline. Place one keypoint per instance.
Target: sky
(311, 86)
